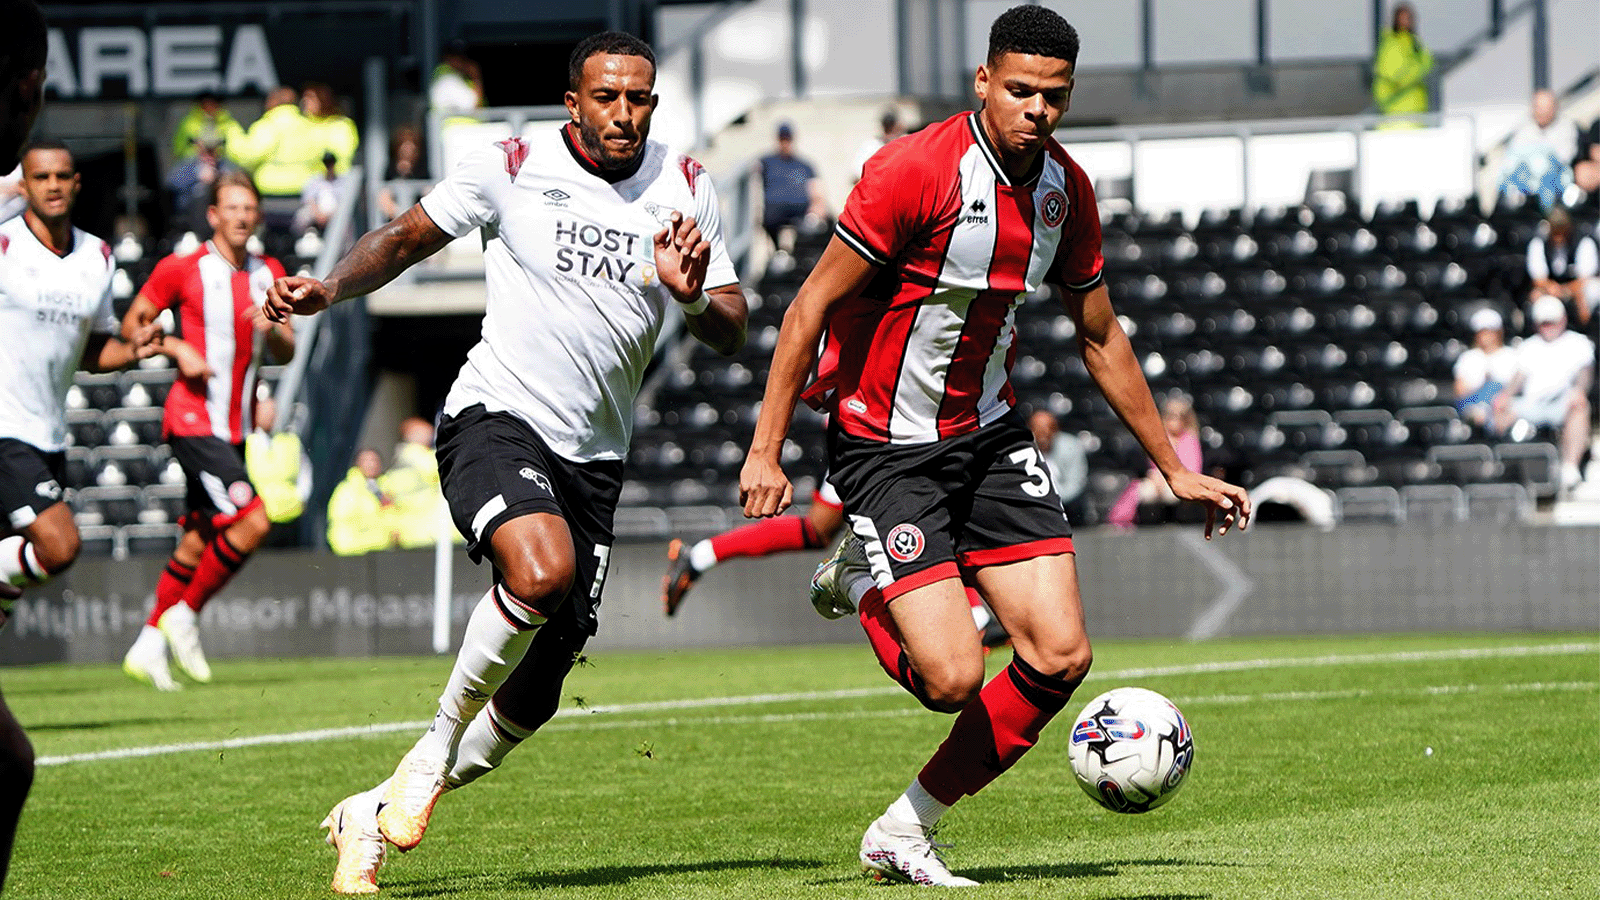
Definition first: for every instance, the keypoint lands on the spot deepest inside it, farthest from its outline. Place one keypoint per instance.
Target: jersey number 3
(1038, 483)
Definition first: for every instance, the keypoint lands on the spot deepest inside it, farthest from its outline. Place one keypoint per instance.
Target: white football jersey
(49, 304)
(574, 302)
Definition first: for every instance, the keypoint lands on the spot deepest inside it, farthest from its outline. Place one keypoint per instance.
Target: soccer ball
(1131, 749)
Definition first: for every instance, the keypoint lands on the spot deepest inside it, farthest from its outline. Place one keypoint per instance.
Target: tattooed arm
(373, 262)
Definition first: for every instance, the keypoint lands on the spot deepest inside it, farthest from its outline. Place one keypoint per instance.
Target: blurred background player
(215, 294)
(939, 476)
(55, 307)
(537, 425)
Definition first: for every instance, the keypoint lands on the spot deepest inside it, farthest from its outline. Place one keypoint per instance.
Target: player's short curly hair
(1035, 31)
(616, 43)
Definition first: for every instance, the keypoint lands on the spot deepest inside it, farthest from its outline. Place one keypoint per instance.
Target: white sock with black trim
(497, 637)
(484, 745)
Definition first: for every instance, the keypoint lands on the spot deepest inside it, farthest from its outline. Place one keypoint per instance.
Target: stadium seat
(1498, 504)
(1335, 469)
(1370, 506)
(1466, 463)
(1434, 504)
(151, 539)
(114, 506)
(1536, 466)
(100, 541)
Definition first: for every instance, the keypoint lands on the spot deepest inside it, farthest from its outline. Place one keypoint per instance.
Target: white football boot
(146, 661)
(353, 831)
(407, 805)
(830, 592)
(895, 851)
(181, 626)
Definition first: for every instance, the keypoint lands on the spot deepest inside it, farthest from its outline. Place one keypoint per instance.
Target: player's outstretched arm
(841, 273)
(1109, 357)
(105, 352)
(683, 255)
(381, 255)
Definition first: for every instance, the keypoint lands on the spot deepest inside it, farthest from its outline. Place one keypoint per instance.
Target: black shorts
(928, 511)
(494, 468)
(220, 491)
(30, 481)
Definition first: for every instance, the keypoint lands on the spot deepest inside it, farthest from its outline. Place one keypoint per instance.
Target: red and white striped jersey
(214, 306)
(925, 352)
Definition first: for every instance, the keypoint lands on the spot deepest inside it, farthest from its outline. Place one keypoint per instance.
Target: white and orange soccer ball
(1131, 749)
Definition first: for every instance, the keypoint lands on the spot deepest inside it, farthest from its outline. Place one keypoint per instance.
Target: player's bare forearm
(722, 325)
(106, 353)
(1109, 357)
(384, 252)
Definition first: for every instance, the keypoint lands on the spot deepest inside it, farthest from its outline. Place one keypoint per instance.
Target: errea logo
(976, 213)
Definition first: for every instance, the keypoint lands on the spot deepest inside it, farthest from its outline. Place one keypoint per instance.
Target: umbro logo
(535, 476)
(557, 195)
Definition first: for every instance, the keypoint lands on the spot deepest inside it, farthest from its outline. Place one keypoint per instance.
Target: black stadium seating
(1314, 343)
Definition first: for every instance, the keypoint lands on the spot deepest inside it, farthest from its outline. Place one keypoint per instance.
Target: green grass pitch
(751, 773)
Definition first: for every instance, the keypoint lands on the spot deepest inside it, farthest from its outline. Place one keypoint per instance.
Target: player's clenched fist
(763, 488)
(296, 295)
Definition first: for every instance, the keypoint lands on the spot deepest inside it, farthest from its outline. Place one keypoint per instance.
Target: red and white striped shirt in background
(215, 304)
(925, 352)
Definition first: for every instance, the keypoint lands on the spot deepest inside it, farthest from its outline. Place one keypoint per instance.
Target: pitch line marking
(330, 734)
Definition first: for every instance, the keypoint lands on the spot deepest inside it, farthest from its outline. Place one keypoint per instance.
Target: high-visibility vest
(274, 465)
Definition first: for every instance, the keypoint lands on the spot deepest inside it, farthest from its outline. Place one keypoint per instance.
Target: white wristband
(697, 307)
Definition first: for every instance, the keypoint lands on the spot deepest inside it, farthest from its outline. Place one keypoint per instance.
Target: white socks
(701, 557)
(491, 647)
(19, 565)
(917, 807)
(484, 746)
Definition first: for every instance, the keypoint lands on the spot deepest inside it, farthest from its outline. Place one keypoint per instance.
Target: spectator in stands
(457, 84)
(320, 198)
(361, 512)
(275, 150)
(891, 128)
(189, 183)
(413, 482)
(279, 468)
(1565, 264)
(1586, 165)
(329, 129)
(1538, 161)
(405, 163)
(791, 197)
(206, 120)
(1066, 460)
(1400, 68)
(1483, 370)
(1183, 430)
(1551, 385)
